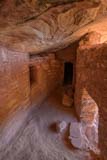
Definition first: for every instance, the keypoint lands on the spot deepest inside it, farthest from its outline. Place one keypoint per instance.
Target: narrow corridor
(38, 139)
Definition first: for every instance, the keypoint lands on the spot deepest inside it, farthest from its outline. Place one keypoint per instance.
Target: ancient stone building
(53, 80)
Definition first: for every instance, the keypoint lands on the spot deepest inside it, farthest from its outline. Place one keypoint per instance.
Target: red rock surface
(91, 75)
(53, 29)
(31, 28)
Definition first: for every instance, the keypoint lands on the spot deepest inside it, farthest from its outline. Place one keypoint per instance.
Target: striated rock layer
(55, 28)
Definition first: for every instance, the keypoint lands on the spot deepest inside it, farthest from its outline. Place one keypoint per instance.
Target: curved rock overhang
(55, 28)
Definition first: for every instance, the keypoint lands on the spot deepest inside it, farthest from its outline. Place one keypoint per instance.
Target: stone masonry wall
(48, 74)
(16, 90)
(91, 87)
(14, 82)
(68, 55)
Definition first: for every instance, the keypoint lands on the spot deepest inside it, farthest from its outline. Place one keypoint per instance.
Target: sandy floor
(38, 139)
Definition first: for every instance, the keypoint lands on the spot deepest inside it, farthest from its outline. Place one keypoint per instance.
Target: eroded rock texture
(91, 88)
(84, 134)
(20, 11)
(52, 29)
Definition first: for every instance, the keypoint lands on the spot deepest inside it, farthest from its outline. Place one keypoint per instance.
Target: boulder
(77, 136)
(61, 126)
(84, 136)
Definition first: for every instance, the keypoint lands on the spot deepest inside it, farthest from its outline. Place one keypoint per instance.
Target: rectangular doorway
(68, 73)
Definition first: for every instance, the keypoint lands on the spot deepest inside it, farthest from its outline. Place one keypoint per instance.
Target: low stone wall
(48, 74)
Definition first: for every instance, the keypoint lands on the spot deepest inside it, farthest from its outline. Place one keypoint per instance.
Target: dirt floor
(38, 138)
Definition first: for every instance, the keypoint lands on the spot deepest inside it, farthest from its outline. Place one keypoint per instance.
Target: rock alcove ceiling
(37, 26)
